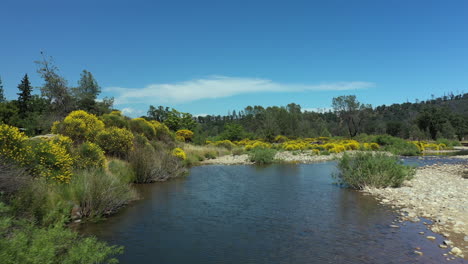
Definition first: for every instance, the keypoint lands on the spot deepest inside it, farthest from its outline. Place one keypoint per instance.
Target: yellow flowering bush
(257, 144)
(115, 141)
(50, 160)
(281, 139)
(142, 126)
(374, 146)
(224, 143)
(12, 144)
(179, 153)
(185, 133)
(89, 155)
(162, 131)
(337, 148)
(79, 125)
(180, 138)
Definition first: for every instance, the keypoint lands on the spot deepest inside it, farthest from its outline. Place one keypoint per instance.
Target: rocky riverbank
(281, 156)
(438, 193)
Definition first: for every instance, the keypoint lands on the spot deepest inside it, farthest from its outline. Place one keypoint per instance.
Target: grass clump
(262, 155)
(23, 242)
(373, 169)
(152, 165)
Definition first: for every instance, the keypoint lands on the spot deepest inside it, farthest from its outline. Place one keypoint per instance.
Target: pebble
(421, 233)
(418, 252)
(393, 226)
(442, 246)
(431, 237)
(456, 251)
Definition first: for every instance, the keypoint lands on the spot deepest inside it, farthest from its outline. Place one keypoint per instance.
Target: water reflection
(282, 213)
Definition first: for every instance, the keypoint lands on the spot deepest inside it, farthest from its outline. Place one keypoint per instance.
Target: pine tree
(24, 97)
(2, 92)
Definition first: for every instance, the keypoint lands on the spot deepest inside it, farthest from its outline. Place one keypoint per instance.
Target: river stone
(448, 242)
(394, 226)
(418, 252)
(456, 251)
(465, 238)
(442, 246)
(431, 237)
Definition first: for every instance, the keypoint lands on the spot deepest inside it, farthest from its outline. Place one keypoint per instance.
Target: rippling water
(248, 214)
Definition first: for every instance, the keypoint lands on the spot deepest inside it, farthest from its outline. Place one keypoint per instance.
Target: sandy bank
(439, 193)
(282, 156)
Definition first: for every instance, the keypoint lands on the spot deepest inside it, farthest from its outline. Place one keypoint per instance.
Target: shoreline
(280, 157)
(438, 193)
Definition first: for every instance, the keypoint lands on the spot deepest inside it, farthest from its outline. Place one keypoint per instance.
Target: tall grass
(152, 165)
(196, 153)
(372, 169)
(90, 194)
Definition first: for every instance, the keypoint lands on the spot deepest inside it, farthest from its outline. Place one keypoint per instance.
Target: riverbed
(283, 213)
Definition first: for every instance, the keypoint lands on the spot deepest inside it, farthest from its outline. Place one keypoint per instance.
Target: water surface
(247, 214)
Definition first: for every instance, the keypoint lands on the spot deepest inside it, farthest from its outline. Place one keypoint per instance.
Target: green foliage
(80, 126)
(2, 92)
(115, 141)
(375, 170)
(448, 142)
(115, 119)
(23, 242)
(142, 126)
(397, 146)
(233, 132)
(122, 170)
(24, 96)
(262, 155)
(86, 92)
(88, 155)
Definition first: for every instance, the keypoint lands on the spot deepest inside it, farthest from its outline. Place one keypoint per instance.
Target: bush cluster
(372, 169)
(79, 125)
(115, 141)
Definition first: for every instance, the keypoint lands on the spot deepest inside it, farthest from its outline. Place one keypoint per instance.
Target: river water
(276, 214)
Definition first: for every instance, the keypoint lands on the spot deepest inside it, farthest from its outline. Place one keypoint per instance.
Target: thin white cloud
(218, 87)
(131, 111)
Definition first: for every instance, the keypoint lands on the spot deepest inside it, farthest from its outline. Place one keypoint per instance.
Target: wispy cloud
(317, 109)
(218, 87)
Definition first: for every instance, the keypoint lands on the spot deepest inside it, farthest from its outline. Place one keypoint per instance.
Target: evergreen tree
(24, 96)
(2, 92)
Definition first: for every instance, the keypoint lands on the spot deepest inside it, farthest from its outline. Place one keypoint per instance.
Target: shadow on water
(282, 213)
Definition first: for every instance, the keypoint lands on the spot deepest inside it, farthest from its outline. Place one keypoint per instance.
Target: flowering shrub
(257, 144)
(280, 139)
(142, 126)
(179, 153)
(79, 125)
(162, 131)
(12, 145)
(115, 141)
(50, 160)
(180, 138)
(185, 133)
(224, 143)
(89, 155)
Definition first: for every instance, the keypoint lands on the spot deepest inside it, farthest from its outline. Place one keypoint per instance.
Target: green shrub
(115, 119)
(151, 165)
(115, 141)
(448, 142)
(376, 170)
(237, 151)
(23, 242)
(88, 155)
(142, 126)
(262, 155)
(397, 146)
(186, 134)
(12, 177)
(225, 144)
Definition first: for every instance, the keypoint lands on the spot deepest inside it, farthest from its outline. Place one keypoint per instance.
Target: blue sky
(208, 57)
